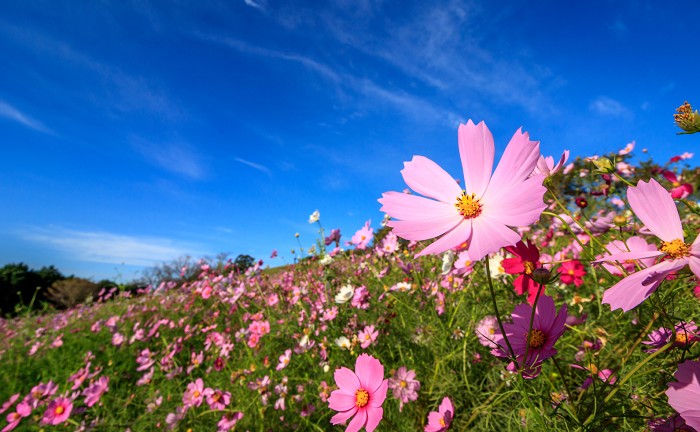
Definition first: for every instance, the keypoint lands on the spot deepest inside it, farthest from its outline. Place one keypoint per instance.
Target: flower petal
(374, 415)
(343, 416)
(654, 206)
(624, 256)
(424, 229)
(427, 178)
(347, 381)
(405, 206)
(515, 204)
(476, 151)
(342, 401)
(370, 372)
(518, 161)
(489, 235)
(450, 240)
(635, 288)
(358, 421)
(379, 395)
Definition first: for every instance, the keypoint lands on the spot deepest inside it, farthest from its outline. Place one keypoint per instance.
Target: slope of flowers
(265, 351)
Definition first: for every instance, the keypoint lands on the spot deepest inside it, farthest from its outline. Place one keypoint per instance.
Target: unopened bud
(620, 220)
(541, 275)
(687, 119)
(603, 165)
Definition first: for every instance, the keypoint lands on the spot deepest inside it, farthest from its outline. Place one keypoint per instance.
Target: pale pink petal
(654, 206)
(452, 239)
(377, 398)
(635, 288)
(343, 416)
(370, 372)
(374, 416)
(425, 229)
(446, 405)
(562, 161)
(347, 380)
(488, 236)
(518, 161)
(358, 421)
(409, 207)
(341, 401)
(521, 205)
(427, 178)
(476, 151)
(692, 418)
(433, 422)
(624, 256)
(694, 264)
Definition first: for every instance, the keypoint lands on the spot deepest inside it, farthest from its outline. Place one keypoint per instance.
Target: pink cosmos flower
(217, 399)
(572, 272)
(284, 359)
(485, 331)
(654, 206)
(679, 190)
(22, 410)
(367, 336)
(57, 411)
(683, 395)
(532, 346)
(546, 167)
(363, 236)
(228, 421)
(95, 391)
(360, 394)
(194, 394)
(633, 244)
(440, 420)
(479, 215)
(404, 386)
(685, 334)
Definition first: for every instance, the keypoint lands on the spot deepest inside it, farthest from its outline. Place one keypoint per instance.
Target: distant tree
(243, 262)
(71, 292)
(21, 286)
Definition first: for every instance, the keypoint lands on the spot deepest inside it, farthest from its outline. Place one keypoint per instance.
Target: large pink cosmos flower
(480, 214)
(683, 395)
(654, 206)
(440, 420)
(361, 394)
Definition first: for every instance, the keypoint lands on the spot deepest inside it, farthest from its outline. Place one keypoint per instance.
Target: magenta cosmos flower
(526, 260)
(440, 420)
(480, 214)
(57, 411)
(360, 394)
(654, 206)
(683, 395)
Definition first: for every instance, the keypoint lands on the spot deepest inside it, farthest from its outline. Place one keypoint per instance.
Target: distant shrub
(71, 292)
(25, 288)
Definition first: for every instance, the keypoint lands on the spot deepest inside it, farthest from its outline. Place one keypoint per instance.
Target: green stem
(498, 315)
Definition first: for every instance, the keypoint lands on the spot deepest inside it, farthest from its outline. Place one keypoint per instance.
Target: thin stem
(498, 315)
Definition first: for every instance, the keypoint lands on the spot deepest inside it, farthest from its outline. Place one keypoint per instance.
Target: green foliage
(25, 288)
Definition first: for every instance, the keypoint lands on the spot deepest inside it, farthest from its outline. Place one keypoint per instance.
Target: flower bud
(541, 275)
(620, 221)
(603, 165)
(687, 119)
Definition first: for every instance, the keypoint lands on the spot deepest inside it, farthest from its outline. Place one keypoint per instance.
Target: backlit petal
(476, 151)
(427, 178)
(654, 206)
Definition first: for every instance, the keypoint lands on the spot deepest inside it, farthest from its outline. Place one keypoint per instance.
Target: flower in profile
(360, 394)
(531, 346)
(679, 190)
(314, 217)
(404, 386)
(284, 359)
(333, 238)
(685, 333)
(440, 420)
(479, 215)
(57, 411)
(546, 167)
(572, 272)
(654, 206)
(525, 262)
(684, 394)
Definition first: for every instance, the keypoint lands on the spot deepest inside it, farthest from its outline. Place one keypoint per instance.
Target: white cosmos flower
(315, 216)
(345, 294)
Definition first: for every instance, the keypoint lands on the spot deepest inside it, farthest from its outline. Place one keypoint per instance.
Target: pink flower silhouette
(440, 421)
(360, 394)
(654, 206)
(479, 215)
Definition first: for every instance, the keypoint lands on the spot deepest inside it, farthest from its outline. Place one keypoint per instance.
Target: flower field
(533, 296)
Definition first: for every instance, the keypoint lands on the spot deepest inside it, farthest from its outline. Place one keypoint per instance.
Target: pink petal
(452, 239)
(515, 204)
(343, 416)
(624, 256)
(379, 395)
(476, 151)
(347, 380)
(518, 161)
(446, 405)
(427, 178)
(374, 416)
(357, 422)
(410, 207)
(654, 206)
(370, 372)
(635, 288)
(425, 229)
(488, 236)
(341, 401)
(694, 263)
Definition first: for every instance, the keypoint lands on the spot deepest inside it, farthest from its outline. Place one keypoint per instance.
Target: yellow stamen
(403, 384)
(442, 422)
(536, 338)
(675, 248)
(682, 338)
(468, 205)
(529, 267)
(361, 398)
(59, 410)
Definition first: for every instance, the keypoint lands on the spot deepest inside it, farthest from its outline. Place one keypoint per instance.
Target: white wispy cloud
(111, 248)
(177, 157)
(10, 112)
(256, 4)
(607, 106)
(257, 166)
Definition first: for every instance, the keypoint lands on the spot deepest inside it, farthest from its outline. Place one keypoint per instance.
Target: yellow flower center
(403, 384)
(682, 338)
(442, 422)
(529, 267)
(361, 398)
(196, 394)
(675, 248)
(59, 410)
(536, 338)
(468, 205)
(593, 368)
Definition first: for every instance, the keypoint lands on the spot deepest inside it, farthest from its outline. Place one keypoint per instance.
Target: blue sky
(134, 132)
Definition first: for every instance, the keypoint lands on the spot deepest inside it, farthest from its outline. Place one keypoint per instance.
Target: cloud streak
(9, 112)
(261, 168)
(177, 157)
(110, 248)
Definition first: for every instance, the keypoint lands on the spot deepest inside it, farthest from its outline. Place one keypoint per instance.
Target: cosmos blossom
(683, 395)
(654, 206)
(360, 394)
(524, 263)
(440, 420)
(479, 215)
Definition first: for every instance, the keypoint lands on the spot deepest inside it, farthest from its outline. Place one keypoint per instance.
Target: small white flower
(326, 259)
(495, 266)
(448, 259)
(345, 294)
(314, 217)
(343, 342)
